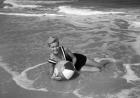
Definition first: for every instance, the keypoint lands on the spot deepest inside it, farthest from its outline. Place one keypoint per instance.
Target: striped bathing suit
(81, 60)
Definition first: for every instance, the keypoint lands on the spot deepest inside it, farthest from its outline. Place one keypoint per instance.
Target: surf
(29, 14)
(82, 11)
(21, 79)
(32, 3)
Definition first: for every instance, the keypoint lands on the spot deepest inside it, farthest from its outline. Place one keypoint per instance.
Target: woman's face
(54, 47)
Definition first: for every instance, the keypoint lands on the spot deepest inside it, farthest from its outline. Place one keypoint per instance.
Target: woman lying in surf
(79, 61)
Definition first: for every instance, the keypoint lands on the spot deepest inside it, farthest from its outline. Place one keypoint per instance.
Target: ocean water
(103, 30)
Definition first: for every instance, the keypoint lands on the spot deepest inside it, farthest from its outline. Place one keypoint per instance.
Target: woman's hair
(52, 39)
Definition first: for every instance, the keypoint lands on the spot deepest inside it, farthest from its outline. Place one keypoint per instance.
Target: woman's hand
(55, 77)
(74, 59)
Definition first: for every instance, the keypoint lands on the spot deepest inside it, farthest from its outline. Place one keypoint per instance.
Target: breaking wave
(78, 11)
(34, 3)
(28, 14)
(62, 11)
(17, 4)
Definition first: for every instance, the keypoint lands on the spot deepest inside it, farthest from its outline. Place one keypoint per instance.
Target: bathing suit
(81, 60)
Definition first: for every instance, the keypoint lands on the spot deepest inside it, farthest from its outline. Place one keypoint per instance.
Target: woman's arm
(52, 63)
(55, 77)
(51, 68)
(74, 59)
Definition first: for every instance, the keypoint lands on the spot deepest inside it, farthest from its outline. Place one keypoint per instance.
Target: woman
(59, 53)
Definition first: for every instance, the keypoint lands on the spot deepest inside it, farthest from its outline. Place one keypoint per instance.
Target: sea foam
(21, 79)
(32, 3)
(17, 4)
(78, 11)
(29, 14)
(130, 75)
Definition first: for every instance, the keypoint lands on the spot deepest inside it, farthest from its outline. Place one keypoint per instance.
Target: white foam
(135, 24)
(11, 2)
(130, 75)
(32, 4)
(29, 15)
(125, 93)
(16, 4)
(8, 69)
(21, 79)
(76, 11)
(55, 1)
(21, 14)
(76, 92)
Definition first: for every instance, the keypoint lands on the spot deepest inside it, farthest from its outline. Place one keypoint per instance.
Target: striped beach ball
(64, 69)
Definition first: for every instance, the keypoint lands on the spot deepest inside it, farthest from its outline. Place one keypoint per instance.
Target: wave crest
(18, 4)
(32, 3)
(77, 11)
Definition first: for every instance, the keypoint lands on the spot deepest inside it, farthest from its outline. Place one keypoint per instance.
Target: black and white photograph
(69, 48)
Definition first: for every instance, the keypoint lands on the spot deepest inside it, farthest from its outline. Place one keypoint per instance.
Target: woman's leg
(89, 69)
(92, 63)
(91, 66)
(85, 64)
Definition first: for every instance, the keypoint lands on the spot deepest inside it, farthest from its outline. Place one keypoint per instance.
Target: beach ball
(64, 69)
